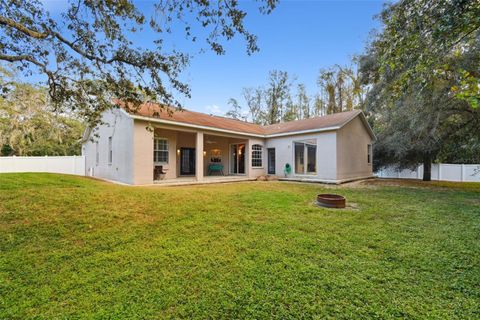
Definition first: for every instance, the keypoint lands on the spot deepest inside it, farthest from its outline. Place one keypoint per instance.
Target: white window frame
(257, 155)
(155, 150)
(110, 150)
(305, 159)
(369, 153)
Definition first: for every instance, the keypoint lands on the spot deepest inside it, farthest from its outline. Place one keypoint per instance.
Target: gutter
(292, 133)
(188, 125)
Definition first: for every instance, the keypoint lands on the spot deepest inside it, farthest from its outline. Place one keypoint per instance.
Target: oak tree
(88, 57)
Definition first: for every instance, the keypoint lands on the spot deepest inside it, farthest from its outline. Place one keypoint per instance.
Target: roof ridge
(355, 111)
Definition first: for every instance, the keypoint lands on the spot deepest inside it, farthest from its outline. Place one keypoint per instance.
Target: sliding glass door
(299, 158)
(305, 158)
(311, 158)
(237, 158)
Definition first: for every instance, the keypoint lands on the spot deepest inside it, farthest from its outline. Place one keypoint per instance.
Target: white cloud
(214, 109)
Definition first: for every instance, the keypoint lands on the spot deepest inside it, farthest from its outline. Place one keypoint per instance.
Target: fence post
(439, 171)
(463, 173)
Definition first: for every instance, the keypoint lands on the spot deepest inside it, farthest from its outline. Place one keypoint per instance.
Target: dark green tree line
(423, 70)
(29, 126)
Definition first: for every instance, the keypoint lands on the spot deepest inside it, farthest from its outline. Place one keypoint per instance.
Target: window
(369, 154)
(110, 152)
(160, 150)
(256, 155)
(97, 155)
(305, 158)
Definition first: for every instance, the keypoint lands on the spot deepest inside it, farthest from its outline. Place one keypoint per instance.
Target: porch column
(199, 157)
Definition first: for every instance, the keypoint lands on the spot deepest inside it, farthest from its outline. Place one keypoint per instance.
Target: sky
(299, 37)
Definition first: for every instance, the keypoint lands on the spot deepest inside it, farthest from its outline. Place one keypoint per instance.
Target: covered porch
(188, 157)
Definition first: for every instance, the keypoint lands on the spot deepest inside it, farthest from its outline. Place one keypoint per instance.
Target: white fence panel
(436, 172)
(67, 164)
(441, 171)
(451, 172)
(471, 172)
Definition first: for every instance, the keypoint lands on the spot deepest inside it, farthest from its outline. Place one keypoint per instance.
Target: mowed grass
(71, 247)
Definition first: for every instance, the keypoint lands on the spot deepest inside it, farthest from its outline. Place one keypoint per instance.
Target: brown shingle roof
(196, 118)
(332, 120)
(215, 122)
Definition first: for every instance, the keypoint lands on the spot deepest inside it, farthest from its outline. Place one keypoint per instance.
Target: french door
(237, 158)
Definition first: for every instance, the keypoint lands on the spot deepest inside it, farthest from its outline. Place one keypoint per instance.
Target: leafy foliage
(420, 37)
(236, 111)
(30, 127)
(88, 56)
(415, 70)
(339, 89)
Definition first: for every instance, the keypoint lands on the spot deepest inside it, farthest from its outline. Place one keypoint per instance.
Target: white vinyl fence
(67, 164)
(441, 171)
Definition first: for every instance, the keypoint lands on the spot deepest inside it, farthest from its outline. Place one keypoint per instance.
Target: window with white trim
(257, 155)
(110, 150)
(369, 154)
(160, 150)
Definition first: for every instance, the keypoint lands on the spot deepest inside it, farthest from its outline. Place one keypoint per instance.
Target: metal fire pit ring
(331, 200)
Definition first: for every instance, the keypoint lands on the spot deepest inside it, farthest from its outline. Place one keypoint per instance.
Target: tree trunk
(427, 167)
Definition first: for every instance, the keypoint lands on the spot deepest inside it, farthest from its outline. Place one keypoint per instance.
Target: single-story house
(152, 145)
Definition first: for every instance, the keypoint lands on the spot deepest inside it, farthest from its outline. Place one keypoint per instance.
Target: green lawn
(72, 247)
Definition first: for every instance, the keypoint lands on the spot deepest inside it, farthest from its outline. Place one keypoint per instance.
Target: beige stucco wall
(171, 167)
(142, 153)
(352, 142)
(254, 172)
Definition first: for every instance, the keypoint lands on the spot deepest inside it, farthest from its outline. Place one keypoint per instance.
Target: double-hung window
(257, 150)
(160, 150)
